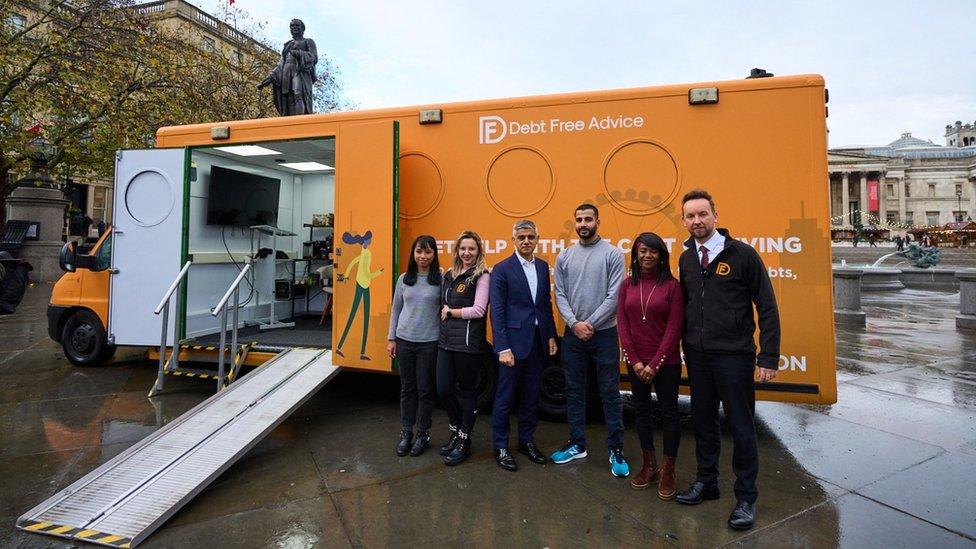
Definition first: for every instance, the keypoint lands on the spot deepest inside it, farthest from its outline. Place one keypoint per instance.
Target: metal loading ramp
(126, 499)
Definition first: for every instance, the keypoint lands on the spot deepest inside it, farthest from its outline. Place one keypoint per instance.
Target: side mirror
(66, 259)
(86, 261)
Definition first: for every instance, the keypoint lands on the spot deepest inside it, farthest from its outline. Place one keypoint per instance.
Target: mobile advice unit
(275, 196)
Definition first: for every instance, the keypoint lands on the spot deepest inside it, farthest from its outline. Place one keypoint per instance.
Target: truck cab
(77, 316)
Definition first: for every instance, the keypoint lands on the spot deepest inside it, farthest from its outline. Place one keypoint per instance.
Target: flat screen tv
(241, 199)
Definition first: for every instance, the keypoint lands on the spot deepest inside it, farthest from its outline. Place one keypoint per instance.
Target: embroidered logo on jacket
(722, 269)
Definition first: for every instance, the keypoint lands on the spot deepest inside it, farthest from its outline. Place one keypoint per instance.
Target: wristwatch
(450, 314)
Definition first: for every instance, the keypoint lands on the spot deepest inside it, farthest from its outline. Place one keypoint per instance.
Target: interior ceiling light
(307, 166)
(247, 150)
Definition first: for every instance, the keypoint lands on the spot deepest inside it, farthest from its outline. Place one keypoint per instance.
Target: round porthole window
(149, 198)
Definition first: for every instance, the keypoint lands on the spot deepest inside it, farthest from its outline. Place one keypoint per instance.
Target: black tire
(487, 383)
(84, 340)
(552, 396)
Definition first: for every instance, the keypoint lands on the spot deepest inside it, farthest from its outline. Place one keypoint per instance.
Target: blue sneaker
(568, 453)
(618, 465)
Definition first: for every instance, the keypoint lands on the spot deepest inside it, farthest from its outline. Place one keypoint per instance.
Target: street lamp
(958, 204)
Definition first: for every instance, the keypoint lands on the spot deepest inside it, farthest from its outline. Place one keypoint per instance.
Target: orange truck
(282, 192)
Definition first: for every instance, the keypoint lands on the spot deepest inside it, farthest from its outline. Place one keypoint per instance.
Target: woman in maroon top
(650, 318)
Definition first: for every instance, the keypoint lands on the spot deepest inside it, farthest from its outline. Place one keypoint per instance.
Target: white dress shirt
(528, 267)
(715, 244)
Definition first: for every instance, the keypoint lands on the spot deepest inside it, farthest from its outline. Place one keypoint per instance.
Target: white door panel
(147, 247)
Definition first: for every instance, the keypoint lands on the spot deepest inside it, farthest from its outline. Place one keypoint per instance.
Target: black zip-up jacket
(719, 302)
(459, 334)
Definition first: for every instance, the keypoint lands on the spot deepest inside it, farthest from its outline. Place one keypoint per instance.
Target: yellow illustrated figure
(363, 278)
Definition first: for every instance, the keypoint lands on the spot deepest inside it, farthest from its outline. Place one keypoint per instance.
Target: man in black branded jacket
(722, 279)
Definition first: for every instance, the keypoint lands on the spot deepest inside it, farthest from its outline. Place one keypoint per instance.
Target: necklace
(643, 303)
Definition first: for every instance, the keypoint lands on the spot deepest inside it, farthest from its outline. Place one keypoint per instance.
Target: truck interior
(271, 202)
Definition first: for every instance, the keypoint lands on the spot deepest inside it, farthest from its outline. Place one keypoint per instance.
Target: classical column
(882, 198)
(900, 184)
(845, 197)
(862, 202)
(971, 200)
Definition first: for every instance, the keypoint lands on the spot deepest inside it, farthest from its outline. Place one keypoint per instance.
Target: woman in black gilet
(462, 341)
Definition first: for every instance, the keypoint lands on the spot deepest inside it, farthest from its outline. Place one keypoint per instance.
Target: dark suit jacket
(513, 313)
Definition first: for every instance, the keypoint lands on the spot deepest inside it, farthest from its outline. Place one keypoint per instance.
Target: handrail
(221, 309)
(163, 307)
(172, 287)
(230, 291)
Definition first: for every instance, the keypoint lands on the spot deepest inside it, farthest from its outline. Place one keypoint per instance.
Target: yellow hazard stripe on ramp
(93, 536)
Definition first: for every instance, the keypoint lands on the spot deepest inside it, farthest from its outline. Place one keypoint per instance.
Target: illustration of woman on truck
(363, 278)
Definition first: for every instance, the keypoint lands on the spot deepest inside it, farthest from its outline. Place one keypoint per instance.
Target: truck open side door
(367, 157)
(148, 238)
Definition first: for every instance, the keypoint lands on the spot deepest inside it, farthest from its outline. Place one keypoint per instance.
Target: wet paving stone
(889, 465)
(854, 521)
(949, 505)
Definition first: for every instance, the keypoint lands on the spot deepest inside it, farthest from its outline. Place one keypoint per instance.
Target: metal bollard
(966, 319)
(847, 296)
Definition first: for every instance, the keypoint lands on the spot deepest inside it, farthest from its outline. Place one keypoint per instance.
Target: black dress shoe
(697, 493)
(420, 444)
(403, 447)
(535, 456)
(743, 516)
(505, 460)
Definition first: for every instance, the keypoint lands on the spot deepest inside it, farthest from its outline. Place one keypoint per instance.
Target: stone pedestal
(46, 206)
(966, 319)
(847, 296)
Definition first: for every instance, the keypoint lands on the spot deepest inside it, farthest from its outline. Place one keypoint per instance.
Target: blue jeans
(603, 353)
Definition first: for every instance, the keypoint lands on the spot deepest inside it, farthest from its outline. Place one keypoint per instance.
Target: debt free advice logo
(493, 128)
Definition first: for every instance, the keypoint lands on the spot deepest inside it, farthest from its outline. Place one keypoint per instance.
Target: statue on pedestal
(292, 79)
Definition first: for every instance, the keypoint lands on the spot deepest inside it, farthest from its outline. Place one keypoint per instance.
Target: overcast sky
(890, 66)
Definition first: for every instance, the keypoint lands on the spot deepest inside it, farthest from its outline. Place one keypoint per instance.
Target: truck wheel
(84, 340)
(552, 398)
(487, 383)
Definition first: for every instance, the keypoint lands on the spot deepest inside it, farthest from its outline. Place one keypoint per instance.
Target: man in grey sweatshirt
(588, 276)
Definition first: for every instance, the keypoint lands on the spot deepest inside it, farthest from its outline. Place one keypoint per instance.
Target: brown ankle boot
(649, 473)
(665, 489)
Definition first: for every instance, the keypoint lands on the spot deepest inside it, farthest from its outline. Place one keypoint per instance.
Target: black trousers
(665, 384)
(416, 362)
(457, 385)
(728, 379)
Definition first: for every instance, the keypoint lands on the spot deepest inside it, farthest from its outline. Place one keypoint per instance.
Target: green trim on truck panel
(185, 245)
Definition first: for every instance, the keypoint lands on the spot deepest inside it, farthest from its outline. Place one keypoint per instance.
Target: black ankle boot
(403, 447)
(420, 444)
(451, 442)
(461, 451)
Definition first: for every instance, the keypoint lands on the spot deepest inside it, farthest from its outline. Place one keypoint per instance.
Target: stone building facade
(905, 184)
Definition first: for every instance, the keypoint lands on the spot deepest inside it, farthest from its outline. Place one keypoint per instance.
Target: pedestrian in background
(412, 340)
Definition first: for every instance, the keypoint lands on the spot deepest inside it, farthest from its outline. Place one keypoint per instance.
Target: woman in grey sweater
(412, 340)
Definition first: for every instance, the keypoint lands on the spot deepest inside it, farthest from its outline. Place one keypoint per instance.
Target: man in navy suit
(523, 331)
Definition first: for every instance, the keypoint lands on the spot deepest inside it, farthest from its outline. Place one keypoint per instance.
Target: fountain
(887, 279)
